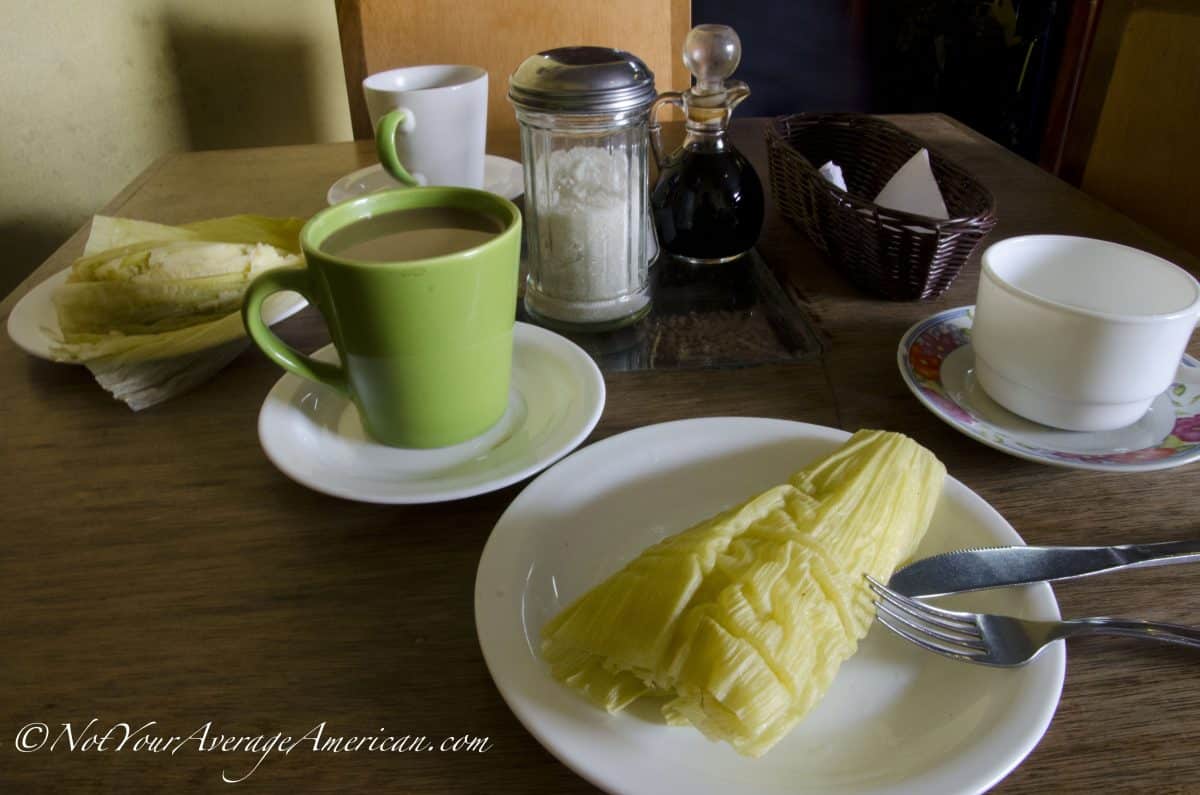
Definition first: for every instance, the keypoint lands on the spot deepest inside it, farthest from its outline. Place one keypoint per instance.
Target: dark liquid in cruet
(707, 205)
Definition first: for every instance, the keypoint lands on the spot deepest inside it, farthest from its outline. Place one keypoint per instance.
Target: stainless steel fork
(1003, 641)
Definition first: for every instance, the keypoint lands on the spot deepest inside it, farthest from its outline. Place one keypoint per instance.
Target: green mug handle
(385, 143)
(284, 355)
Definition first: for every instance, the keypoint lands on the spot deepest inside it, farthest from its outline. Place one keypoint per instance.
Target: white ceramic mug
(430, 123)
(1078, 333)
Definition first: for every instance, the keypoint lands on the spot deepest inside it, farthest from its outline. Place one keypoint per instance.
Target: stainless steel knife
(976, 569)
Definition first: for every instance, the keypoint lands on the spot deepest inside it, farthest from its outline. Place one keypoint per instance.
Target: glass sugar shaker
(583, 115)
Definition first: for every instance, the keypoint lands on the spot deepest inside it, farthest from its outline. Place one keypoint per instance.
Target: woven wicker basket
(894, 254)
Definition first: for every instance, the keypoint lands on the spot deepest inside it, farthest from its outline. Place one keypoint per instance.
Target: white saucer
(314, 435)
(33, 322)
(937, 362)
(500, 175)
(897, 720)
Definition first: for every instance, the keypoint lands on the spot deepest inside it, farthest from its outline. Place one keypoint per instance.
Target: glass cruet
(708, 202)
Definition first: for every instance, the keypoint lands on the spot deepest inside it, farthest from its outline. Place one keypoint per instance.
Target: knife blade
(976, 569)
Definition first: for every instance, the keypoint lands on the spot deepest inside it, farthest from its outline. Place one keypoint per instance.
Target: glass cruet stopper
(711, 53)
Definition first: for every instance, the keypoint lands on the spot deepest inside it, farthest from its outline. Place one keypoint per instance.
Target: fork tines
(942, 631)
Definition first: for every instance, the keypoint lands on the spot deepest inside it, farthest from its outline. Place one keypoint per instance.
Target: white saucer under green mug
(314, 435)
(937, 363)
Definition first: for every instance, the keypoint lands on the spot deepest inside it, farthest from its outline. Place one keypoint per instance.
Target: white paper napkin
(912, 189)
(832, 173)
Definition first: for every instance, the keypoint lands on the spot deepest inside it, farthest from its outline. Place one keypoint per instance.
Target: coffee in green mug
(418, 288)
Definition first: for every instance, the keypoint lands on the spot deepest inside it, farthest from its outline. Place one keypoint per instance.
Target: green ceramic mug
(425, 345)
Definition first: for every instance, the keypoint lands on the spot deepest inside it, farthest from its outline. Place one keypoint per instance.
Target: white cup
(430, 123)
(1080, 334)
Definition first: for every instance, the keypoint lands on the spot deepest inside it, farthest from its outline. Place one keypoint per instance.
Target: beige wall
(92, 92)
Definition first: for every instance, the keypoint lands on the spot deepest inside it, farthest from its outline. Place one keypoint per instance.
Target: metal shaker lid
(582, 80)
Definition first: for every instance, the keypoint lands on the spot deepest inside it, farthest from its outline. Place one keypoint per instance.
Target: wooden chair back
(1132, 120)
(497, 35)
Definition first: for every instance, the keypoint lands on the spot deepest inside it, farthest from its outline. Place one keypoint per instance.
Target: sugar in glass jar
(583, 114)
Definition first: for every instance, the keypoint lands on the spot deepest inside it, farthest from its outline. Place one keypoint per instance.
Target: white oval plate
(500, 175)
(314, 435)
(937, 362)
(897, 719)
(33, 323)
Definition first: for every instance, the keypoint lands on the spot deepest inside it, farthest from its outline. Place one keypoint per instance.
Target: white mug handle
(395, 122)
(1185, 374)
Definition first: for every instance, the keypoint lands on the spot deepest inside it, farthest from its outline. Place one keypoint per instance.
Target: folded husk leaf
(153, 310)
(738, 624)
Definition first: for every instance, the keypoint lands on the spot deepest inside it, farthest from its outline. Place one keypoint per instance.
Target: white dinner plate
(314, 434)
(500, 175)
(33, 322)
(897, 719)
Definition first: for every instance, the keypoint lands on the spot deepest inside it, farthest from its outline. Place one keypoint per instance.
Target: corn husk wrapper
(737, 626)
(153, 310)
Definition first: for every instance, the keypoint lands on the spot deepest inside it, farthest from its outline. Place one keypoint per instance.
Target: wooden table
(156, 567)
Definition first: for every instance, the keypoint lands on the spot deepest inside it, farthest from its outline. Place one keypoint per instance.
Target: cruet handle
(665, 98)
(735, 92)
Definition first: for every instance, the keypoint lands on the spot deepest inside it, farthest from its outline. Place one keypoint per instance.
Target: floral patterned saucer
(937, 363)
